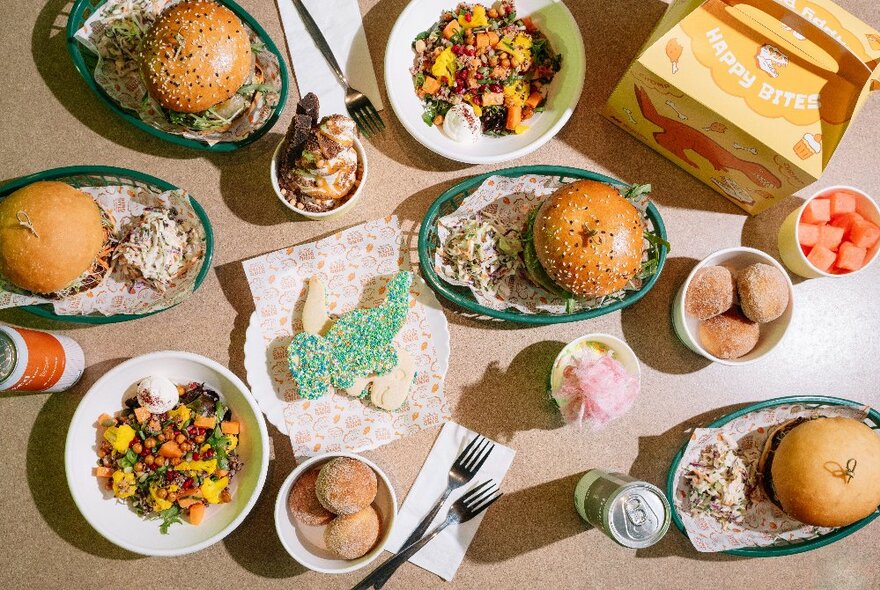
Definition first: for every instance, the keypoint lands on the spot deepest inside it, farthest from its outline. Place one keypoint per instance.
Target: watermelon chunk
(822, 258)
(817, 211)
(830, 237)
(864, 234)
(850, 257)
(842, 203)
(845, 221)
(808, 234)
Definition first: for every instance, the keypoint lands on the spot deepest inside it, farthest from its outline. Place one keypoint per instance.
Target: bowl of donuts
(734, 307)
(335, 512)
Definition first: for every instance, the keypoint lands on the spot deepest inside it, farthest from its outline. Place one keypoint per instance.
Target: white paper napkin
(342, 25)
(445, 553)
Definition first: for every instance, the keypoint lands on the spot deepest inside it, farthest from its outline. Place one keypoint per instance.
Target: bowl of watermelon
(835, 233)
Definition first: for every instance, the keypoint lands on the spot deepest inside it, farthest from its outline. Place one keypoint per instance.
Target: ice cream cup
(790, 249)
(334, 213)
(687, 328)
(622, 352)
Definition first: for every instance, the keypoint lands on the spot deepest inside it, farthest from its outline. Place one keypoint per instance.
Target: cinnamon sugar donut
(346, 486)
(353, 535)
(304, 502)
(730, 335)
(710, 292)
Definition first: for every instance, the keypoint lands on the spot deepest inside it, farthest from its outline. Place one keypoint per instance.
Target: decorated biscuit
(389, 391)
(357, 345)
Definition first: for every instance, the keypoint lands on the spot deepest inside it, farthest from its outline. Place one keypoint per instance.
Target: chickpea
(149, 459)
(493, 60)
(225, 496)
(102, 453)
(180, 390)
(420, 46)
(138, 466)
(159, 461)
(514, 61)
(492, 13)
(175, 461)
(221, 472)
(180, 438)
(137, 448)
(161, 438)
(171, 497)
(162, 493)
(438, 120)
(200, 439)
(150, 443)
(505, 63)
(185, 447)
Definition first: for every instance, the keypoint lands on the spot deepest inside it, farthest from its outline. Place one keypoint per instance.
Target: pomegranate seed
(169, 475)
(209, 453)
(144, 452)
(467, 17)
(197, 457)
(188, 483)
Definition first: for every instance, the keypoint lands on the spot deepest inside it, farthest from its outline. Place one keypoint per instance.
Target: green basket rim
(780, 550)
(75, 49)
(467, 302)
(45, 310)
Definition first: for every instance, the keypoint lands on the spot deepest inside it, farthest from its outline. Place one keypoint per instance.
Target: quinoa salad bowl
(146, 505)
(484, 82)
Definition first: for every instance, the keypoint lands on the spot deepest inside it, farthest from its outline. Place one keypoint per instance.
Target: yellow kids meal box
(750, 96)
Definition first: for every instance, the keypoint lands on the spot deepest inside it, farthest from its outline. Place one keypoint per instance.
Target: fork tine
(481, 460)
(477, 454)
(472, 493)
(479, 498)
(375, 116)
(482, 507)
(459, 461)
(358, 119)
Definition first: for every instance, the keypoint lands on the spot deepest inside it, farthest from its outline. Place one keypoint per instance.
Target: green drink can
(634, 513)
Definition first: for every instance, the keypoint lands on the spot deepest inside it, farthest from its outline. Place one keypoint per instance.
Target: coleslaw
(722, 486)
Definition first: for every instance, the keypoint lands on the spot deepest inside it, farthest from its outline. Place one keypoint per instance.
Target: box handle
(851, 66)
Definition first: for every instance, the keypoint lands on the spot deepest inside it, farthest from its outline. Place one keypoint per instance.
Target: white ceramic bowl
(772, 333)
(306, 543)
(113, 519)
(333, 214)
(622, 353)
(552, 17)
(790, 249)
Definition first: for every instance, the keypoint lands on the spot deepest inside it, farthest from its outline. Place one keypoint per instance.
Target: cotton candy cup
(595, 392)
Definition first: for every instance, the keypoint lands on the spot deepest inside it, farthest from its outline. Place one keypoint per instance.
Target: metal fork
(359, 106)
(466, 466)
(464, 509)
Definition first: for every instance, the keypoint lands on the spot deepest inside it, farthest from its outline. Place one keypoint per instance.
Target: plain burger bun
(197, 54)
(808, 471)
(50, 234)
(588, 239)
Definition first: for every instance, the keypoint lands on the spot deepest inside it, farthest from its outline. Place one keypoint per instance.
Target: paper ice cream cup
(333, 213)
(789, 246)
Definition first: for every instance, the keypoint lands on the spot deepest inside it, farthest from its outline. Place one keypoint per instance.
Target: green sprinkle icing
(358, 344)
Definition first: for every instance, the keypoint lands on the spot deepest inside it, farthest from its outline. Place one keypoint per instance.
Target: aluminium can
(634, 513)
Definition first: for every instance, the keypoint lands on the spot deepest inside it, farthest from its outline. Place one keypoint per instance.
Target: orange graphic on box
(673, 52)
(679, 138)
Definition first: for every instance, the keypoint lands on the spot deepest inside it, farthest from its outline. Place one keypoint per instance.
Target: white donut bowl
(772, 333)
(305, 543)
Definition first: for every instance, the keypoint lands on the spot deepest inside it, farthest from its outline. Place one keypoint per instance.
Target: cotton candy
(595, 392)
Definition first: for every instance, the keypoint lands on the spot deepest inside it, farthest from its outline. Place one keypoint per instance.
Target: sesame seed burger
(197, 63)
(55, 241)
(585, 241)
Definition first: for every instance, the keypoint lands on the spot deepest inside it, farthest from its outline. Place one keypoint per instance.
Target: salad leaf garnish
(169, 517)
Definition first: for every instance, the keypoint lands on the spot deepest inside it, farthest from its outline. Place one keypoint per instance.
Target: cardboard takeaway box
(750, 96)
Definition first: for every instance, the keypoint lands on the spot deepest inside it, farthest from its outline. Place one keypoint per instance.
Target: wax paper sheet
(111, 33)
(355, 265)
(763, 524)
(506, 203)
(116, 294)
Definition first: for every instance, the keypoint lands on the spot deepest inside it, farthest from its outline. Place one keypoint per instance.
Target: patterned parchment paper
(116, 295)
(117, 72)
(506, 203)
(764, 524)
(355, 265)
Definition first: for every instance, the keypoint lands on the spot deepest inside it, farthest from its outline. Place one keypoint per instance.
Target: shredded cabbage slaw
(722, 486)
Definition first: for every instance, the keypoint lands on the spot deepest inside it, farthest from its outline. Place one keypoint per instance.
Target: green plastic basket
(450, 200)
(788, 548)
(80, 176)
(85, 61)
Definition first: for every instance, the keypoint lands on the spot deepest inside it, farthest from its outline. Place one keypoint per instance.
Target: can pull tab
(641, 520)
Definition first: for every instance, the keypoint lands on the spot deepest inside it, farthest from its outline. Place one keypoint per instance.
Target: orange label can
(38, 361)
